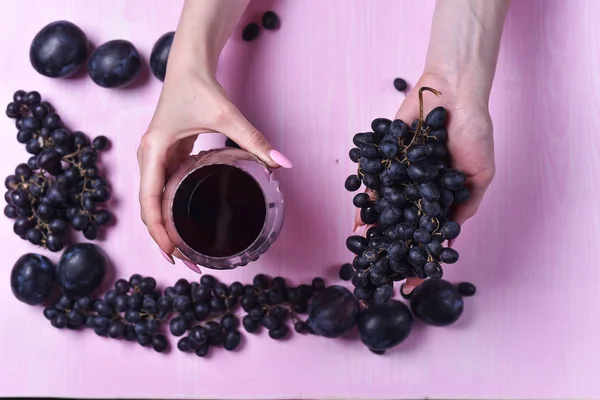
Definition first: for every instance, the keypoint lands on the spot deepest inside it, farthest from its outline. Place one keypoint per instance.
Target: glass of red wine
(223, 208)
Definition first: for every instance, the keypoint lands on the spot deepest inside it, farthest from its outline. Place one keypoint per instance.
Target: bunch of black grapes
(60, 185)
(209, 314)
(411, 188)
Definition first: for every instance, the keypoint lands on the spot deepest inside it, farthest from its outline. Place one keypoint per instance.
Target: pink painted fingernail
(357, 228)
(167, 257)
(280, 159)
(407, 289)
(191, 266)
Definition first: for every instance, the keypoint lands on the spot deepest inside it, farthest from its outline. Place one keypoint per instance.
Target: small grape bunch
(60, 186)
(411, 190)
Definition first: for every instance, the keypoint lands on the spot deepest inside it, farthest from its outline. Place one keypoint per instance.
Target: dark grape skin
(436, 119)
(59, 49)
(466, 289)
(362, 139)
(380, 125)
(433, 270)
(361, 200)
(354, 154)
(449, 256)
(32, 279)
(114, 64)
(160, 55)
(101, 143)
(418, 153)
(383, 293)
(346, 272)
(368, 215)
(270, 21)
(384, 326)
(81, 269)
(450, 230)
(250, 32)
(400, 84)
(333, 311)
(352, 183)
(453, 180)
(357, 244)
(436, 302)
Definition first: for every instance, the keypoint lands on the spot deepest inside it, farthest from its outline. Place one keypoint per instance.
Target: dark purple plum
(81, 269)
(160, 55)
(333, 312)
(436, 302)
(383, 326)
(32, 279)
(115, 64)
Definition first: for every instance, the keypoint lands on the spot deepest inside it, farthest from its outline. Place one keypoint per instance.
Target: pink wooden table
(532, 330)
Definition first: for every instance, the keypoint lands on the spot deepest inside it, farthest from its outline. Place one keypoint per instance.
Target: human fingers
(477, 186)
(236, 127)
(152, 162)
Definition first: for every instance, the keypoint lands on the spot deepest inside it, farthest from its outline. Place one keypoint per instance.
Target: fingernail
(191, 266)
(356, 228)
(407, 289)
(167, 257)
(280, 159)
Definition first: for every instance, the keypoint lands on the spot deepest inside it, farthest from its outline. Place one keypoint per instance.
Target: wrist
(464, 44)
(204, 28)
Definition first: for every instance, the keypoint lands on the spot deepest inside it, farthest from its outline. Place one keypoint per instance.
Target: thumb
(238, 129)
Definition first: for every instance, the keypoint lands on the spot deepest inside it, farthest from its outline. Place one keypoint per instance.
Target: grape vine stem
(420, 120)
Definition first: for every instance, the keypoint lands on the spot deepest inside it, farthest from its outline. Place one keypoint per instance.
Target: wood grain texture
(533, 249)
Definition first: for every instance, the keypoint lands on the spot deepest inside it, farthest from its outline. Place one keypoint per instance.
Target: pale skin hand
(461, 63)
(193, 102)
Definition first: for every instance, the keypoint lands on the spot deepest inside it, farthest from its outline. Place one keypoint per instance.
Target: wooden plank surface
(533, 250)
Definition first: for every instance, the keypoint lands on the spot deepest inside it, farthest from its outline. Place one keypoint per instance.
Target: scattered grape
(250, 32)
(270, 21)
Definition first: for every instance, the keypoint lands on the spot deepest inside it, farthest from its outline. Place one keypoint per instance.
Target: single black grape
(346, 272)
(383, 294)
(453, 180)
(433, 270)
(466, 289)
(352, 183)
(159, 343)
(270, 20)
(450, 230)
(400, 84)
(250, 32)
(362, 139)
(318, 284)
(279, 333)
(355, 154)
(232, 340)
(208, 280)
(449, 256)
(178, 326)
(436, 119)
(461, 195)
